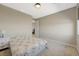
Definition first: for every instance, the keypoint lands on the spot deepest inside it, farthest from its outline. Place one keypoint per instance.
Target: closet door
(37, 28)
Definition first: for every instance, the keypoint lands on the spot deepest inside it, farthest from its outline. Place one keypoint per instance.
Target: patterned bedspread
(4, 43)
(25, 47)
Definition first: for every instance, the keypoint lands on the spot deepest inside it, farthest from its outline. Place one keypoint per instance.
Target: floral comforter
(25, 47)
(4, 43)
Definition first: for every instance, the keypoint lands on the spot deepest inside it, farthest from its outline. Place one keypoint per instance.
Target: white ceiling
(44, 10)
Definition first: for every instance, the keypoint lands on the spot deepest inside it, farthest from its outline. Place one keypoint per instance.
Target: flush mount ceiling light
(37, 5)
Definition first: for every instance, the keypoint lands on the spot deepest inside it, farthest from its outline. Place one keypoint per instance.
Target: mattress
(25, 47)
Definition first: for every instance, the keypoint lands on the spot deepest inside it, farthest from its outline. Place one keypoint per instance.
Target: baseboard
(66, 44)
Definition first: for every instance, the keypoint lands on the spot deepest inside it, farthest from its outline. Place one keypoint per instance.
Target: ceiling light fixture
(37, 5)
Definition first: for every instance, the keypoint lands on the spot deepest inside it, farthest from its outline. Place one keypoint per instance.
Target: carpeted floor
(6, 52)
(57, 49)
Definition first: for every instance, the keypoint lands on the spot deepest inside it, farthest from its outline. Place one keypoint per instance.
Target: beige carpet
(58, 49)
(6, 52)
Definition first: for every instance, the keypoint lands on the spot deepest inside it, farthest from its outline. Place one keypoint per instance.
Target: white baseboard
(67, 44)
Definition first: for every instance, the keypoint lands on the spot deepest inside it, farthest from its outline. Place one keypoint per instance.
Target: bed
(27, 47)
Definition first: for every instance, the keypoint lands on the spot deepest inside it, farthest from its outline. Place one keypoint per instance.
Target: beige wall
(14, 22)
(78, 29)
(60, 26)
